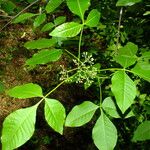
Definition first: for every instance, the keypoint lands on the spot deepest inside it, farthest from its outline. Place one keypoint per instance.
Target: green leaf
(47, 27)
(142, 71)
(26, 91)
(146, 13)
(24, 17)
(8, 6)
(39, 20)
(44, 57)
(59, 20)
(124, 90)
(78, 7)
(40, 43)
(70, 29)
(93, 18)
(18, 128)
(81, 114)
(142, 68)
(104, 133)
(142, 132)
(110, 108)
(144, 61)
(52, 5)
(127, 2)
(126, 55)
(1, 87)
(55, 114)
(130, 114)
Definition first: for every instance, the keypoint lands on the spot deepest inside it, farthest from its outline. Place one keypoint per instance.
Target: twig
(119, 24)
(5, 16)
(18, 14)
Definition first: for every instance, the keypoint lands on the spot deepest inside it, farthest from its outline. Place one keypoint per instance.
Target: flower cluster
(86, 72)
(86, 75)
(63, 73)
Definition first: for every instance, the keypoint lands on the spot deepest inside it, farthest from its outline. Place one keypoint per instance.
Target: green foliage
(78, 7)
(59, 20)
(142, 72)
(127, 2)
(39, 20)
(47, 27)
(23, 17)
(1, 87)
(28, 90)
(142, 132)
(127, 90)
(40, 43)
(8, 6)
(110, 108)
(104, 133)
(52, 5)
(18, 128)
(70, 29)
(93, 18)
(127, 55)
(142, 68)
(146, 13)
(100, 72)
(55, 114)
(81, 114)
(44, 57)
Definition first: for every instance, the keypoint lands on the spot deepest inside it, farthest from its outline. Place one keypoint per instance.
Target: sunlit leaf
(55, 114)
(110, 108)
(47, 27)
(104, 133)
(127, 55)
(78, 7)
(142, 132)
(26, 91)
(70, 29)
(144, 61)
(141, 72)
(40, 43)
(81, 114)
(124, 90)
(127, 2)
(52, 5)
(130, 114)
(44, 57)
(59, 20)
(146, 13)
(93, 18)
(18, 128)
(39, 20)
(23, 17)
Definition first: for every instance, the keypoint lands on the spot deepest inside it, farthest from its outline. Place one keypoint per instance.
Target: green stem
(53, 90)
(72, 55)
(119, 69)
(100, 92)
(80, 42)
(72, 70)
